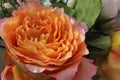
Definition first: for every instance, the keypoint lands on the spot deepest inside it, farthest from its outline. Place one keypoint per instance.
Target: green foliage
(84, 10)
(102, 42)
(88, 11)
(4, 12)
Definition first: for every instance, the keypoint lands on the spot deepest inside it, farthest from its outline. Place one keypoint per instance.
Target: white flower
(71, 3)
(46, 2)
(110, 8)
(7, 5)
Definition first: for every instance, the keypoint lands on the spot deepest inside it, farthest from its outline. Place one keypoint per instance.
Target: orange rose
(43, 40)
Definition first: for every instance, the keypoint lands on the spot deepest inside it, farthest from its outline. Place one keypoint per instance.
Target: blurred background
(2, 56)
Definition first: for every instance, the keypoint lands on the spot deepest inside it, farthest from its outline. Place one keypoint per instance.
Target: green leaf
(1, 14)
(96, 51)
(101, 43)
(88, 11)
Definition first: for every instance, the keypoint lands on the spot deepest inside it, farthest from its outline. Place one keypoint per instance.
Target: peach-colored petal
(86, 70)
(19, 74)
(80, 26)
(6, 74)
(66, 74)
(2, 22)
(83, 49)
(11, 72)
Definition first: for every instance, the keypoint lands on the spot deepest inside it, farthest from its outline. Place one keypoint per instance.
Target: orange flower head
(43, 38)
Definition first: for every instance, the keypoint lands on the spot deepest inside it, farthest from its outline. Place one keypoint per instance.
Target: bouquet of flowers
(60, 39)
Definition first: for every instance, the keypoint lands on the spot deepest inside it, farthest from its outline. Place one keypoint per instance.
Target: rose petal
(80, 26)
(86, 70)
(66, 74)
(5, 74)
(19, 74)
(2, 21)
(35, 69)
(13, 73)
(83, 49)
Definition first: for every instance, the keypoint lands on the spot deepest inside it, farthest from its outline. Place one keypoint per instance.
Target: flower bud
(118, 4)
(7, 5)
(71, 3)
(47, 3)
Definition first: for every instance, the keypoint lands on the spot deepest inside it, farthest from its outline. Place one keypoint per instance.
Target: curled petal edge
(86, 70)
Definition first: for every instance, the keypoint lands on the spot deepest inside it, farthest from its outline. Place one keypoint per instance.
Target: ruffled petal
(24, 56)
(80, 26)
(86, 70)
